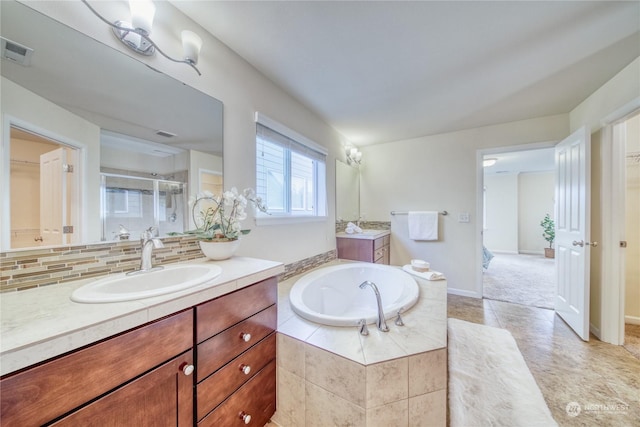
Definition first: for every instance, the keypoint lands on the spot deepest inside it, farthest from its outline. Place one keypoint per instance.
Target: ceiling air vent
(16, 52)
(165, 133)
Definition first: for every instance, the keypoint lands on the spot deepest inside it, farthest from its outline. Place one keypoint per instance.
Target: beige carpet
(521, 279)
(632, 339)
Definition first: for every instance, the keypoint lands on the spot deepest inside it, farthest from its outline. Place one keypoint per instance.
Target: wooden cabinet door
(162, 397)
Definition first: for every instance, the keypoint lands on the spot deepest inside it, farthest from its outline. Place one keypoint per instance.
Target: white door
(573, 157)
(52, 196)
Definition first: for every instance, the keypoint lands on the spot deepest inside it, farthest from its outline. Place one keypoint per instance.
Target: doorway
(43, 190)
(518, 192)
(632, 234)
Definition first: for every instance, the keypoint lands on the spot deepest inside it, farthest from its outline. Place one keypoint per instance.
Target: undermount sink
(122, 287)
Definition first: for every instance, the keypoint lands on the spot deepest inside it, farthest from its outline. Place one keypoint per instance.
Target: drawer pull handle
(246, 337)
(246, 369)
(245, 417)
(188, 369)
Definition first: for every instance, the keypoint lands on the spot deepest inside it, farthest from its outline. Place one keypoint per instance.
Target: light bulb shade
(142, 13)
(191, 45)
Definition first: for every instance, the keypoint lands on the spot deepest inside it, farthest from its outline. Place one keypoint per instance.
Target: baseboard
(463, 293)
(595, 331)
(531, 252)
(632, 320)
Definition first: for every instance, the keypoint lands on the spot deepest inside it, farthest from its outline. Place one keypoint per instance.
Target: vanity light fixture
(135, 34)
(489, 162)
(353, 156)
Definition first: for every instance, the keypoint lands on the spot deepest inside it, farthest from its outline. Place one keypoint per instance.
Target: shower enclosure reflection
(137, 203)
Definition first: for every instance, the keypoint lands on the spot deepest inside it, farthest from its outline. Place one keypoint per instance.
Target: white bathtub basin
(121, 287)
(332, 296)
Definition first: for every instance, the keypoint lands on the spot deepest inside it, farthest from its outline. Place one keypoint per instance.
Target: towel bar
(443, 213)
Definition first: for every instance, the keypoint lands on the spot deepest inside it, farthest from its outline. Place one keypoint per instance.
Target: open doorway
(632, 234)
(43, 191)
(518, 193)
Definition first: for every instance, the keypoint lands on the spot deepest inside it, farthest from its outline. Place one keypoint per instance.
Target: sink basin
(121, 287)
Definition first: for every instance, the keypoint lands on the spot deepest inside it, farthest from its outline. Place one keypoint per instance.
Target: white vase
(217, 250)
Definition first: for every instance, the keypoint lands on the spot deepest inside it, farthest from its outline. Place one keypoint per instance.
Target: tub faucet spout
(381, 323)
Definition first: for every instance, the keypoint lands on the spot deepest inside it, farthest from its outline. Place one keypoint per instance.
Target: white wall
(501, 207)
(243, 91)
(41, 116)
(442, 172)
(536, 198)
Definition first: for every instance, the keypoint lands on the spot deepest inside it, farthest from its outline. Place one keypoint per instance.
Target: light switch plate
(464, 217)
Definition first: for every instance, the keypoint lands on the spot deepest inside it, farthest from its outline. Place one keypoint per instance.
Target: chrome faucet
(148, 242)
(381, 323)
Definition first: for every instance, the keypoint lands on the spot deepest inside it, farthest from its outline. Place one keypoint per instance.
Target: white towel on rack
(423, 225)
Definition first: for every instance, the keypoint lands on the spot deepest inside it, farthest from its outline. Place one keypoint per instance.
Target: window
(290, 172)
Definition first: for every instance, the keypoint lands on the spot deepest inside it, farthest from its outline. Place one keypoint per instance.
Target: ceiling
(381, 71)
(514, 162)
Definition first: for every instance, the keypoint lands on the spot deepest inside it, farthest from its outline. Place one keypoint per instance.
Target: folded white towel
(352, 228)
(428, 275)
(423, 225)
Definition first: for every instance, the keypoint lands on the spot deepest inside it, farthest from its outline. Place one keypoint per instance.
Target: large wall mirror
(347, 192)
(95, 144)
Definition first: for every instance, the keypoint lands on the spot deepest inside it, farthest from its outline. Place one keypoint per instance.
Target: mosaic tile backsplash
(20, 270)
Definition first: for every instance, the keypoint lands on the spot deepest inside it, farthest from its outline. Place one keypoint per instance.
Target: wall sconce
(353, 156)
(135, 34)
(489, 162)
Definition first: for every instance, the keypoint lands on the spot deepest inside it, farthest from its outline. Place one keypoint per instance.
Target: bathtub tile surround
(307, 264)
(376, 380)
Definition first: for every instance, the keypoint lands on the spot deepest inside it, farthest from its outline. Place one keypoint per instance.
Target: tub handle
(364, 330)
(399, 321)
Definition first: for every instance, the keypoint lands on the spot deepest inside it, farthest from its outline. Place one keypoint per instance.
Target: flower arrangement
(218, 217)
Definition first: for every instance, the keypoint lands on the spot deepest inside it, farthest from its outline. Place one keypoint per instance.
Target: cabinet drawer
(215, 316)
(39, 394)
(257, 398)
(380, 242)
(162, 397)
(217, 351)
(216, 388)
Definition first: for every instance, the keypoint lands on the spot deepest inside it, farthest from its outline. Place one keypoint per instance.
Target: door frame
(80, 159)
(480, 153)
(612, 197)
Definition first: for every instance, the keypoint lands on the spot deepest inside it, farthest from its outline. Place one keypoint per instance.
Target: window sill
(283, 220)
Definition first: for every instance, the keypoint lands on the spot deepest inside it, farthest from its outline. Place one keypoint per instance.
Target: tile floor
(603, 379)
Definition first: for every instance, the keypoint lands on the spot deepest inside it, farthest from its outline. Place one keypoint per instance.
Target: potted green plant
(549, 234)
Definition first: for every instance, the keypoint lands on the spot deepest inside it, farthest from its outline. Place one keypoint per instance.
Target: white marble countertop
(425, 327)
(41, 323)
(366, 234)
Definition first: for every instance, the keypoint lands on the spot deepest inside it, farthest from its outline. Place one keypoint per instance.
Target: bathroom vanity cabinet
(141, 377)
(236, 351)
(211, 364)
(358, 248)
